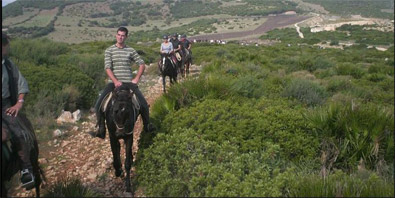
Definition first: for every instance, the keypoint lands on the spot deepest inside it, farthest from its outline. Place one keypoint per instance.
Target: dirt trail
(77, 155)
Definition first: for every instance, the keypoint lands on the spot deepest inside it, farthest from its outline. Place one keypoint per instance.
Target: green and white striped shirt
(119, 60)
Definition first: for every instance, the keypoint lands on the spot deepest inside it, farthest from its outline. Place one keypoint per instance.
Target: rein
(134, 113)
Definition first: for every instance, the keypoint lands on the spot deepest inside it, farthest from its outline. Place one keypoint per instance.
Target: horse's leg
(116, 149)
(164, 83)
(175, 78)
(128, 161)
(189, 64)
(185, 70)
(179, 67)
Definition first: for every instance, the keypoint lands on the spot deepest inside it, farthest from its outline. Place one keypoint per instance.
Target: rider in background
(176, 46)
(166, 48)
(13, 90)
(186, 46)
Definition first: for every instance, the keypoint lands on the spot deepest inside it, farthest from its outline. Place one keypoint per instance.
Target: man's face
(121, 37)
(4, 50)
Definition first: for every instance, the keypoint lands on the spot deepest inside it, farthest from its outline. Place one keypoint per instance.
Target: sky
(5, 2)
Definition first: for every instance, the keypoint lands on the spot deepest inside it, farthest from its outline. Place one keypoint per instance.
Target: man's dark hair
(4, 39)
(123, 29)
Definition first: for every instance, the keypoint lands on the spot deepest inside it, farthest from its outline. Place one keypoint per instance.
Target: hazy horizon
(5, 2)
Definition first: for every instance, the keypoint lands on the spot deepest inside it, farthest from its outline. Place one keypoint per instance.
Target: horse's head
(122, 110)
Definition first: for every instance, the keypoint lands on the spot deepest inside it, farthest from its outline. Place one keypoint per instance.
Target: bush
(339, 83)
(248, 86)
(247, 124)
(305, 91)
(354, 134)
(350, 69)
(185, 164)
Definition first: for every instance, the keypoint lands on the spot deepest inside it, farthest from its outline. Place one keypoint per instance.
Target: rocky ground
(75, 154)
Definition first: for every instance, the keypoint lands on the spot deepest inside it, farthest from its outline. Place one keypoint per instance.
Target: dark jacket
(13, 75)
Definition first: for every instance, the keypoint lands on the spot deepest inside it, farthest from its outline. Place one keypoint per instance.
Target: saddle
(107, 99)
(178, 56)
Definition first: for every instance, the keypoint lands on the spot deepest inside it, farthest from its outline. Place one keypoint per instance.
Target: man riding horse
(14, 89)
(177, 50)
(118, 59)
(168, 62)
(187, 53)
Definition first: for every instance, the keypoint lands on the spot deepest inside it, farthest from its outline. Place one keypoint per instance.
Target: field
(271, 23)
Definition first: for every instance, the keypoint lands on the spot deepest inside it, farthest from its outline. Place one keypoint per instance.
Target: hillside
(79, 21)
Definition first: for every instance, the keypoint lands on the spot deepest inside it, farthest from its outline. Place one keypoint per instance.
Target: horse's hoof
(118, 173)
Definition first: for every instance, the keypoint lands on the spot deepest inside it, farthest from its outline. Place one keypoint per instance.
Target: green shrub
(375, 77)
(248, 86)
(306, 91)
(350, 69)
(250, 124)
(325, 73)
(355, 133)
(185, 164)
(322, 63)
(339, 83)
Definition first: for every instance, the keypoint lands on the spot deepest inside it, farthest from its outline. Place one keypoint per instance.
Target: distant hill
(85, 20)
(76, 21)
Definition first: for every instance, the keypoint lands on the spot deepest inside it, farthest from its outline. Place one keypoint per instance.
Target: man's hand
(135, 80)
(13, 111)
(117, 84)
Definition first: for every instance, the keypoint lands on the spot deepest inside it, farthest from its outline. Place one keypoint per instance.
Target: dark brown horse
(121, 115)
(10, 162)
(167, 68)
(187, 60)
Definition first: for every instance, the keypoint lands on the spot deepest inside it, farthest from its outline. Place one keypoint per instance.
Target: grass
(339, 184)
(71, 187)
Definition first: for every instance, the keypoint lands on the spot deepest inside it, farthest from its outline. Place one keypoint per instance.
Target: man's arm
(110, 74)
(13, 111)
(178, 47)
(136, 79)
(23, 89)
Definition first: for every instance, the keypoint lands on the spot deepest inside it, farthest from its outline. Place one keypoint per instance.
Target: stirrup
(29, 184)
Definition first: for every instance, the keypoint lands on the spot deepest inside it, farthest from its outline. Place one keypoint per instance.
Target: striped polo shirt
(119, 60)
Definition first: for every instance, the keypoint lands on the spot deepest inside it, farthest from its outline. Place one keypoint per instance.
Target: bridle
(115, 120)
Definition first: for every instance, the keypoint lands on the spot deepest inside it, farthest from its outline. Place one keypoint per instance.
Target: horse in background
(10, 162)
(187, 61)
(167, 67)
(121, 114)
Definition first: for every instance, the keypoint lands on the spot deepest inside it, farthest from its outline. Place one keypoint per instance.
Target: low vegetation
(365, 8)
(257, 122)
(280, 120)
